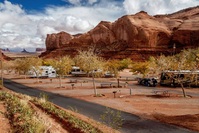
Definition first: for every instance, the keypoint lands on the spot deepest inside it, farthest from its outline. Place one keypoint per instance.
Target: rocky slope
(4, 57)
(135, 36)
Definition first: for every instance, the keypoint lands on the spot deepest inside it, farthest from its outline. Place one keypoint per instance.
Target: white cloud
(82, 2)
(154, 7)
(8, 7)
(92, 1)
(75, 2)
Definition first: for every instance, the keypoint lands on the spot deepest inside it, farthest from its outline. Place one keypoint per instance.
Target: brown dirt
(187, 121)
(4, 122)
(172, 109)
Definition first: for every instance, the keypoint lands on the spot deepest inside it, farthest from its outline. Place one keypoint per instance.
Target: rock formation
(40, 50)
(24, 51)
(132, 36)
(4, 57)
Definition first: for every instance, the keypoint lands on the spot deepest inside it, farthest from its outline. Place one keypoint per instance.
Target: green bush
(21, 115)
(112, 118)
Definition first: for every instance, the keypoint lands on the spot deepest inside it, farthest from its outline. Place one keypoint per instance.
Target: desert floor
(130, 97)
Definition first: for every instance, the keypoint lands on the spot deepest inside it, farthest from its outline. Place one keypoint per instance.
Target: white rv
(76, 71)
(43, 72)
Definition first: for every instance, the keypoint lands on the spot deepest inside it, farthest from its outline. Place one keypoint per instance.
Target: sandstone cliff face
(187, 34)
(56, 41)
(132, 36)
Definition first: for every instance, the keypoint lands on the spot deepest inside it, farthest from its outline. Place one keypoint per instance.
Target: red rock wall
(56, 41)
(133, 36)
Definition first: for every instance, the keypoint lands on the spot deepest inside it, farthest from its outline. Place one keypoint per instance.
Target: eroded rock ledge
(137, 36)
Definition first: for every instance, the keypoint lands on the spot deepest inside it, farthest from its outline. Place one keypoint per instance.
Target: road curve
(132, 123)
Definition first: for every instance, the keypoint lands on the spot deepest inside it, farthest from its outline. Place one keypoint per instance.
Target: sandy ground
(4, 122)
(172, 108)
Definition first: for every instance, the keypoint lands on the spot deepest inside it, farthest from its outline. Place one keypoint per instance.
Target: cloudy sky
(25, 23)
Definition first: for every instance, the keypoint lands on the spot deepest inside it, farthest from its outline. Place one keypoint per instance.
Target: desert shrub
(21, 114)
(112, 118)
(74, 122)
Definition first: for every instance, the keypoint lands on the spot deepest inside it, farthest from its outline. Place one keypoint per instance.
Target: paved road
(132, 123)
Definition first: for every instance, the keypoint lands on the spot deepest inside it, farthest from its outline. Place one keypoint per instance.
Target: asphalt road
(131, 123)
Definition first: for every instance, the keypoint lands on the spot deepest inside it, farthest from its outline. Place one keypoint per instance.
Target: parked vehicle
(147, 82)
(76, 71)
(187, 77)
(108, 74)
(96, 73)
(42, 72)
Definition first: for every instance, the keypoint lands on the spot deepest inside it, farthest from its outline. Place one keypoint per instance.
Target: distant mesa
(24, 51)
(6, 50)
(137, 36)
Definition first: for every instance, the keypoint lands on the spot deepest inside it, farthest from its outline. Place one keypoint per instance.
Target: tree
(8, 66)
(125, 63)
(35, 64)
(186, 60)
(88, 61)
(24, 65)
(113, 66)
(62, 66)
(140, 67)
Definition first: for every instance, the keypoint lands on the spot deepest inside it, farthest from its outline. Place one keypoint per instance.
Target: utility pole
(1, 58)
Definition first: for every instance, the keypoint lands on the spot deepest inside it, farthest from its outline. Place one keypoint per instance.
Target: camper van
(76, 71)
(43, 72)
(187, 77)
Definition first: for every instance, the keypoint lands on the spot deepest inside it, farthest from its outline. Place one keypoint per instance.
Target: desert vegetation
(62, 66)
(89, 62)
(20, 114)
(86, 60)
(24, 116)
(112, 118)
(186, 60)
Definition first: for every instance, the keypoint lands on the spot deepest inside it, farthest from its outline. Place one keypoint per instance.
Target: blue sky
(38, 5)
(25, 23)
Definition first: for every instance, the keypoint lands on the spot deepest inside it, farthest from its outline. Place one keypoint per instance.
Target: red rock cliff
(132, 36)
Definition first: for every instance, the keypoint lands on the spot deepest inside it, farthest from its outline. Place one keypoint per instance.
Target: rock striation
(137, 36)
